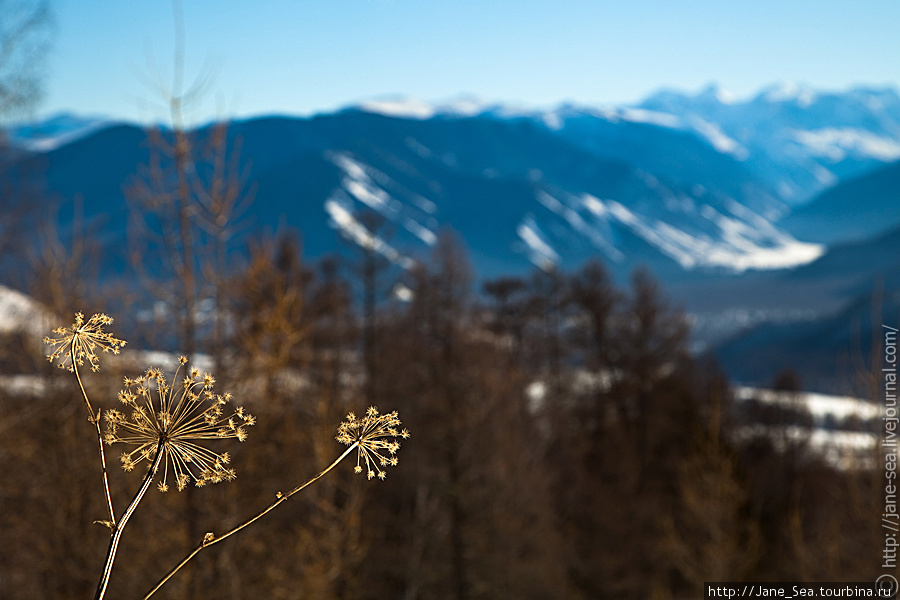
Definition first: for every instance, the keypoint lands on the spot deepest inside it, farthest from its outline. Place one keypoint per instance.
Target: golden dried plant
(168, 424)
(82, 341)
(177, 416)
(371, 437)
(375, 436)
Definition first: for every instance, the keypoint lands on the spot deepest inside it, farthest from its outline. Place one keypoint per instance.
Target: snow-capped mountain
(794, 140)
(679, 183)
(55, 131)
(798, 140)
(696, 187)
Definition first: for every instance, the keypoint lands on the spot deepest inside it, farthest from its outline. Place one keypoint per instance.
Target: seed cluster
(88, 337)
(178, 415)
(376, 436)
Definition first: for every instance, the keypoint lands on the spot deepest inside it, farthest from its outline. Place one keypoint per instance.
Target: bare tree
(185, 206)
(24, 38)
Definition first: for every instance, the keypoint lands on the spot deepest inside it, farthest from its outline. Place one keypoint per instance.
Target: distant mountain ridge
(853, 210)
(706, 191)
(680, 182)
(54, 131)
(799, 140)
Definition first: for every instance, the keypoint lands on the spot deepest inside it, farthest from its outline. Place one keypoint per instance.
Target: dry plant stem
(209, 540)
(95, 419)
(120, 526)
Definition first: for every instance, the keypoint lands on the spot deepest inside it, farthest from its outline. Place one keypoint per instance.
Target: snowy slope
(829, 437)
(799, 140)
(53, 132)
(679, 183)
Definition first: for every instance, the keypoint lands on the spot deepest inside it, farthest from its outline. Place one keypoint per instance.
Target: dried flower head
(376, 438)
(178, 415)
(83, 340)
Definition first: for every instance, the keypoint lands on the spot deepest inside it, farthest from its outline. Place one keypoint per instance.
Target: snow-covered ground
(18, 312)
(844, 449)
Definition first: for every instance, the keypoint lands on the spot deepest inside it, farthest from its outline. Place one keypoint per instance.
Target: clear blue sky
(298, 57)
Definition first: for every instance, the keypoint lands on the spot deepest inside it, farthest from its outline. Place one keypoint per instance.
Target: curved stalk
(210, 539)
(120, 526)
(95, 419)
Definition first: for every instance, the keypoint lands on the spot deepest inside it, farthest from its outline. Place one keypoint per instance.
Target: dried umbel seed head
(83, 341)
(376, 438)
(181, 416)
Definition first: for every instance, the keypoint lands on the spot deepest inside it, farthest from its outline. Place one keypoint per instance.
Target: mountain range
(780, 208)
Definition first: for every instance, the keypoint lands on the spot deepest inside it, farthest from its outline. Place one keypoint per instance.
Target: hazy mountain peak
(54, 131)
(716, 92)
(788, 92)
(461, 106)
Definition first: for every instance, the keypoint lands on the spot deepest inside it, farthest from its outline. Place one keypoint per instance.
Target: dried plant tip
(182, 417)
(83, 340)
(376, 438)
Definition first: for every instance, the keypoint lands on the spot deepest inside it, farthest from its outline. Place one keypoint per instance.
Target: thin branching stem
(81, 385)
(120, 526)
(95, 419)
(210, 539)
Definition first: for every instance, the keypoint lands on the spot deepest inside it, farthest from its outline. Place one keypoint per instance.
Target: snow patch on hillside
(837, 143)
(651, 117)
(539, 250)
(842, 448)
(738, 241)
(789, 92)
(19, 312)
(55, 132)
(366, 185)
(718, 139)
(404, 108)
(352, 229)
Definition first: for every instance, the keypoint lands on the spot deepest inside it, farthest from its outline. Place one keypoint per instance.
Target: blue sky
(299, 57)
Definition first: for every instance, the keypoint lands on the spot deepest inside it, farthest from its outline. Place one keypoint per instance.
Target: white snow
(417, 147)
(166, 360)
(19, 312)
(424, 203)
(748, 242)
(552, 120)
(835, 143)
(824, 176)
(372, 196)
(594, 204)
(360, 184)
(344, 220)
(578, 223)
(820, 406)
(843, 449)
(652, 117)
(57, 132)
(790, 91)
(423, 233)
(403, 293)
(24, 385)
(351, 167)
(405, 108)
(717, 138)
(725, 96)
(459, 108)
(540, 252)
(463, 107)
(756, 244)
